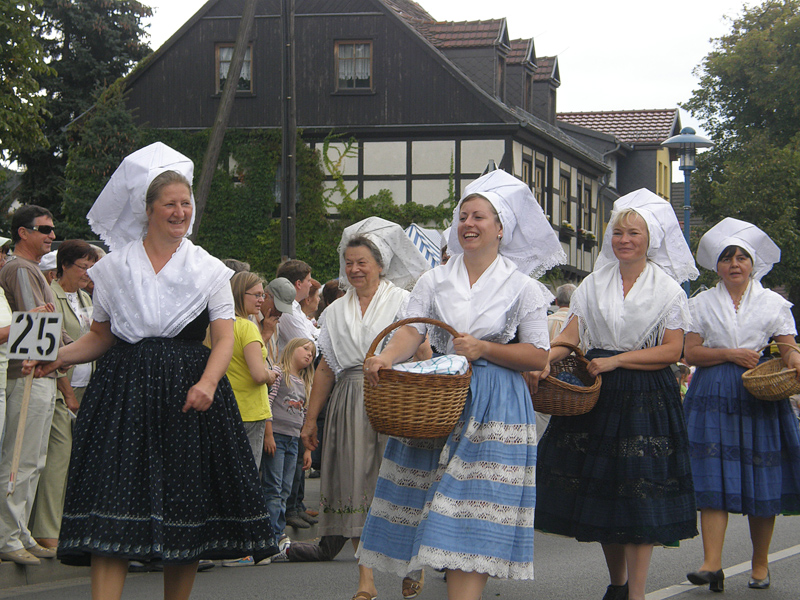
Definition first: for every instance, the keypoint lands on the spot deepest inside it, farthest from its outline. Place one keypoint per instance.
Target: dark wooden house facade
(425, 100)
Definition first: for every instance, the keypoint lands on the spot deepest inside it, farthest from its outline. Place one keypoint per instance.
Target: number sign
(34, 336)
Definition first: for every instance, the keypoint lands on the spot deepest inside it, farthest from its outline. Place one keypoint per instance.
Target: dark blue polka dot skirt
(149, 482)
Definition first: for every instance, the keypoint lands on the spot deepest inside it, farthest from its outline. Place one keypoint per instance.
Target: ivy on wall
(242, 218)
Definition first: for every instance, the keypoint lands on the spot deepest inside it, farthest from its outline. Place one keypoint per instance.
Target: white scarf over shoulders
(346, 334)
(610, 320)
(762, 314)
(141, 303)
(499, 303)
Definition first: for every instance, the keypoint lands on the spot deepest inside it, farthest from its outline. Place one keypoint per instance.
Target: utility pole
(223, 114)
(288, 132)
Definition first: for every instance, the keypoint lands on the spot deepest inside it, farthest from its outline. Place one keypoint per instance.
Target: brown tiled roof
(409, 10)
(544, 68)
(631, 126)
(462, 34)
(519, 51)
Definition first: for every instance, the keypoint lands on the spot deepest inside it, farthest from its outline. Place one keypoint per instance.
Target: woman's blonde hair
(240, 283)
(285, 362)
(624, 216)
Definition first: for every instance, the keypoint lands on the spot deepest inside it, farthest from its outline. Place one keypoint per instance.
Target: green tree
(749, 102)
(89, 44)
(97, 145)
(22, 60)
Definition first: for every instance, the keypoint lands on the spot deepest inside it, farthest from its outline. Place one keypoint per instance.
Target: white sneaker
(284, 542)
(275, 558)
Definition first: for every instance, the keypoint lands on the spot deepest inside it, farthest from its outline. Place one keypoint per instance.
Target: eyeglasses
(261, 296)
(81, 267)
(43, 229)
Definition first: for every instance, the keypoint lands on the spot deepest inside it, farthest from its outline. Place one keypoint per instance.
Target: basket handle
(401, 323)
(781, 344)
(575, 349)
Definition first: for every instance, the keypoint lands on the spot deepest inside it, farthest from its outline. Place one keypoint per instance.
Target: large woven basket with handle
(414, 405)
(559, 398)
(771, 380)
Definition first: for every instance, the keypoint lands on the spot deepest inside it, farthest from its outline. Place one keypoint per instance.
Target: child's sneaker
(284, 542)
(246, 561)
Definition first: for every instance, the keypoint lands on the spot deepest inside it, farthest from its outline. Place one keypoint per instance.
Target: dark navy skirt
(745, 452)
(619, 474)
(149, 482)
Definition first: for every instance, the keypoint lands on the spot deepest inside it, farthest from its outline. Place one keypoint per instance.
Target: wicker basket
(414, 405)
(558, 398)
(771, 380)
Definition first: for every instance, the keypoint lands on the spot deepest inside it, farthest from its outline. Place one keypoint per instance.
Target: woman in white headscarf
(619, 475)
(465, 503)
(377, 260)
(161, 469)
(745, 452)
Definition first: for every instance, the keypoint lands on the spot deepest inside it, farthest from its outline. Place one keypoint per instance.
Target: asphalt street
(565, 569)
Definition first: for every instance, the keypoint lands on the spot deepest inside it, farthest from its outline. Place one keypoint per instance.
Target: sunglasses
(43, 229)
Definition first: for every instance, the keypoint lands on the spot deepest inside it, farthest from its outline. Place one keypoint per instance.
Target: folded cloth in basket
(449, 364)
(567, 377)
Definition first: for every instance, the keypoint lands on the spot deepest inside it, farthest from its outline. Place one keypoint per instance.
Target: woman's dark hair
(361, 241)
(161, 181)
(731, 250)
(70, 251)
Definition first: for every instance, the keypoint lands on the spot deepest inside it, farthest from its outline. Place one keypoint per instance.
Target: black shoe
(205, 565)
(759, 584)
(136, 566)
(297, 522)
(714, 579)
(308, 518)
(616, 592)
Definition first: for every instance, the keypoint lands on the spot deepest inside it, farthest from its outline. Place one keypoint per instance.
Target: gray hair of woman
(362, 241)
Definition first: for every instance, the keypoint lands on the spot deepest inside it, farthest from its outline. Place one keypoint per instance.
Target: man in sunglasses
(33, 234)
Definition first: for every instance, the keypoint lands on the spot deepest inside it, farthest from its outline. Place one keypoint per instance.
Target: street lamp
(687, 143)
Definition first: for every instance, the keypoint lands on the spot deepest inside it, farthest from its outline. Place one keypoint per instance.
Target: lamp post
(687, 143)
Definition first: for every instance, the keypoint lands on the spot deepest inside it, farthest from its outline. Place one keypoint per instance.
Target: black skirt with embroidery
(152, 483)
(619, 474)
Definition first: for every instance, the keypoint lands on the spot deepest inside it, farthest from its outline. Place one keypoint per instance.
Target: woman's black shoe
(616, 592)
(759, 584)
(714, 579)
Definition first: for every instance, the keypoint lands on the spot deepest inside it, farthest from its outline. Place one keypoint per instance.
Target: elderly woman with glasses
(73, 260)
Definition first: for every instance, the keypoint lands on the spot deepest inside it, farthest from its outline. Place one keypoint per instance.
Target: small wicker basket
(414, 405)
(771, 380)
(558, 398)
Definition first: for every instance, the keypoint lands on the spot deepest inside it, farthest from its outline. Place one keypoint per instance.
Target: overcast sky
(614, 55)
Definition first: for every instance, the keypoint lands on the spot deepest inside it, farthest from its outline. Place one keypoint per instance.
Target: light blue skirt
(466, 501)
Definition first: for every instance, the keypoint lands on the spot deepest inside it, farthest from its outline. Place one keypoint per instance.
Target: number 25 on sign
(34, 336)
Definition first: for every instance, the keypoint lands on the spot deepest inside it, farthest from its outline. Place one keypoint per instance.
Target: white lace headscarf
(403, 263)
(733, 232)
(119, 214)
(668, 248)
(528, 238)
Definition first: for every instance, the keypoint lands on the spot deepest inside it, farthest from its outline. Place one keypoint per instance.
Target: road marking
(674, 590)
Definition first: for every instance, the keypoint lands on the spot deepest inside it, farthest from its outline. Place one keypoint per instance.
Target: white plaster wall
(432, 157)
(398, 189)
(475, 154)
(429, 193)
(517, 151)
(384, 158)
(349, 164)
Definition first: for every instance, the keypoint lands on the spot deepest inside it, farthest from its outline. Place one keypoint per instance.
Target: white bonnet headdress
(118, 215)
(668, 248)
(403, 263)
(528, 238)
(733, 232)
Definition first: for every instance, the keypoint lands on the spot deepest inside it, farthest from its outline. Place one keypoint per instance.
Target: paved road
(565, 570)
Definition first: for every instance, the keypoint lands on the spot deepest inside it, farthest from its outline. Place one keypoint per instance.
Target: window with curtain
(563, 193)
(353, 65)
(224, 57)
